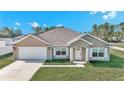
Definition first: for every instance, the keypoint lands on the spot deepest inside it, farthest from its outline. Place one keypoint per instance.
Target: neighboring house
(62, 43)
(9, 41)
(2, 44)
(5, 46)
(18, 37)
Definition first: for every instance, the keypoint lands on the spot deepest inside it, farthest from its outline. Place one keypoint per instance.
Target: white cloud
(106, 15)
(103, 12)
(34, 24)
(109, 15)
(44, 25)
(59, 25)
(94, 12)
(15, 28)
(17, 24)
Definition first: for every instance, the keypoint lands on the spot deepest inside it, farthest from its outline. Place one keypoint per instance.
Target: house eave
(79, 38)
(95, 38)
(33, 37)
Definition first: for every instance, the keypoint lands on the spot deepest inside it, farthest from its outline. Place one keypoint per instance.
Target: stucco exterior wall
(49, 53)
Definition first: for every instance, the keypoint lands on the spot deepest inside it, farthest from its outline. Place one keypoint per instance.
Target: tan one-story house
(62, 43)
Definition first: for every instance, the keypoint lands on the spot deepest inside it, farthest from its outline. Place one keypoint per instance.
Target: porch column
(71, 54)
(87, 55)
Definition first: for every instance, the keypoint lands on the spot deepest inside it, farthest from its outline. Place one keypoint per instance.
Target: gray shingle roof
(59, 36)
(18, 37)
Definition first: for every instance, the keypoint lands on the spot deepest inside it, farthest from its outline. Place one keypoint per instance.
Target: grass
(5, 60)
(119, 44)
(116, 60)
(78, 74)
(58, 62)
(113, 70)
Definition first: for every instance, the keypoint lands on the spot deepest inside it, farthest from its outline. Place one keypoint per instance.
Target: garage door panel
(32, 53)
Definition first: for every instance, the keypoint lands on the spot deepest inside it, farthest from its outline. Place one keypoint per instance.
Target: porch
(79, 50)
(79, 54)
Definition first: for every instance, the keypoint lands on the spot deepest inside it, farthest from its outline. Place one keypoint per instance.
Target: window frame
(61, 50)
(98, 52)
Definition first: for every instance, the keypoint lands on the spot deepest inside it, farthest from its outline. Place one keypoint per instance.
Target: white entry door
(78, 55)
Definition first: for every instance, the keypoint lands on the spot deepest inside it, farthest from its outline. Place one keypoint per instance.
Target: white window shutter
(90, 52)
(106, 53)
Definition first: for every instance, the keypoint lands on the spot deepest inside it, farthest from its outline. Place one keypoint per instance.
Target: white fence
(5, 50)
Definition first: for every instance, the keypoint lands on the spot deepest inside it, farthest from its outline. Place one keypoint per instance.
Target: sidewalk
(63, 66)
(118, 48)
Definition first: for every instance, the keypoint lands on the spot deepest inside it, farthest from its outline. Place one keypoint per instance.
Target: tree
(122, 28)
(18, 32)
(111, 32)
(7, 32)
(101, 31)
(106, 31)
(46, 29)
(49, 28)
(37, 30)
(95, 31)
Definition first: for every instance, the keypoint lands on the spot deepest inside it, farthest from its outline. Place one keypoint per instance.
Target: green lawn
(5, 60)
(58, 62)
(113, 70)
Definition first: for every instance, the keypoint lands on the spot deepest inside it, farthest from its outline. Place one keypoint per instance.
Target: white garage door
(32, 53)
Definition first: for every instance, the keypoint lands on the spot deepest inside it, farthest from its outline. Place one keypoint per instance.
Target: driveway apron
(21, 70)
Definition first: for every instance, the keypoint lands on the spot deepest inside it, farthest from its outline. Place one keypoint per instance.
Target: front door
(78, 55)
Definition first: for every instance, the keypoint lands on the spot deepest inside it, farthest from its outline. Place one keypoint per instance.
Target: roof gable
(77, 39)
(95, 40)
(32, 37)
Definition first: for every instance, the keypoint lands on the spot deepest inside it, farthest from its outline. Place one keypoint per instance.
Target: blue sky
(80, 21)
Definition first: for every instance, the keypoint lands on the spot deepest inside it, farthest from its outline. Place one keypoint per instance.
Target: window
(57, 51)
(63, 51)
(94, 53)
(101, 52)
(97, 52)
(60, 51)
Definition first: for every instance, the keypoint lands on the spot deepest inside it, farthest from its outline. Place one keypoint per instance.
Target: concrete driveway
(21, 70)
